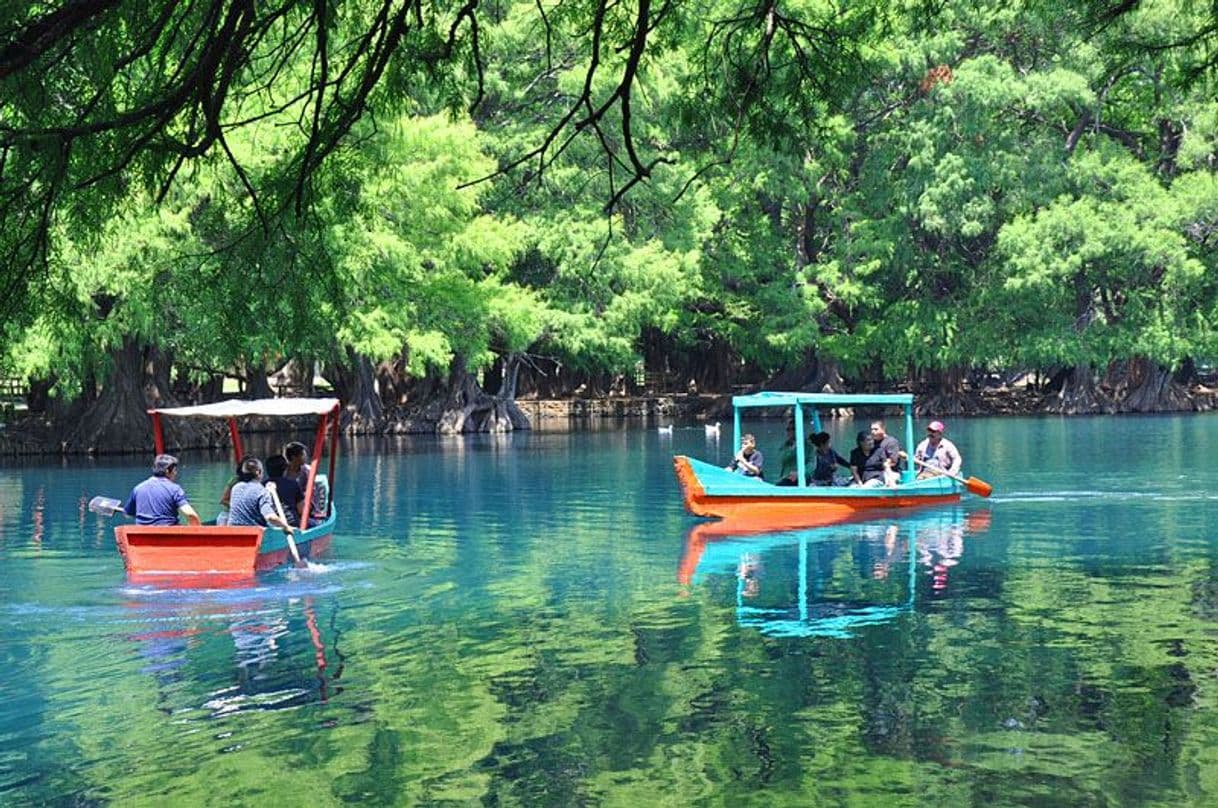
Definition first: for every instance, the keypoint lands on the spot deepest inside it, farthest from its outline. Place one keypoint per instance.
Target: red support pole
(158, 434)
(236, 436)
(333, 457)
(319, 442)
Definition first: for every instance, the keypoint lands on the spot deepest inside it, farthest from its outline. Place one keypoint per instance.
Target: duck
(665, 430)
(712, 430)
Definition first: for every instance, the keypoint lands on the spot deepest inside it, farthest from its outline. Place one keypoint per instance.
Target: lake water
(533, 620)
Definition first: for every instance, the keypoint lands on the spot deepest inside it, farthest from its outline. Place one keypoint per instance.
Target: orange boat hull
(183, 550)
(766, 511)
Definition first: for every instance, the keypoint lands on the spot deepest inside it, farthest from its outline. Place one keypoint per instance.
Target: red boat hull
(162, 551)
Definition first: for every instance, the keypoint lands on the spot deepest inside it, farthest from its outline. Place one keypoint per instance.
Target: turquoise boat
(709, 490)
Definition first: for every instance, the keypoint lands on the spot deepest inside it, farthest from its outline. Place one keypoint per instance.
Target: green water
(532, 620)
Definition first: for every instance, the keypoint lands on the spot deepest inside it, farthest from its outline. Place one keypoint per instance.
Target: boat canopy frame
(798, 401)
(325, 409)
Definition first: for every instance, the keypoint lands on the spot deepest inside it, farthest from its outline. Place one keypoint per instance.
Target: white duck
(665, 430)
(712, 430)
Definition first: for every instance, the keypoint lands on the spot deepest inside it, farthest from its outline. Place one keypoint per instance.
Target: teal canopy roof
(776, 399)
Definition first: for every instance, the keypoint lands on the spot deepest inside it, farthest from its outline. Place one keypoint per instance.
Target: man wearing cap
(159, 499)
(936, 454)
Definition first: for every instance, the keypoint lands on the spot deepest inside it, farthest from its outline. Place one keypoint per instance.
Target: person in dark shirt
(885, 452)
(298, 469)
(858, 456)
(827, 460)
(159, 499)
(748, 460)
(291, 496)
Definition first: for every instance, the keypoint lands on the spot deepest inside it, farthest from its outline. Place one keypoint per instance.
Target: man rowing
(936, 455)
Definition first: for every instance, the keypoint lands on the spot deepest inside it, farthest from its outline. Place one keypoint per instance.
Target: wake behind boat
(710, 490)
(213, 552)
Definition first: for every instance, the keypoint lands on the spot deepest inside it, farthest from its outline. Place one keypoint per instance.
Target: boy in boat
(250, 503)
(298, 467)
(827, 460)
(936, 454)
(748, 460)
(159, 499)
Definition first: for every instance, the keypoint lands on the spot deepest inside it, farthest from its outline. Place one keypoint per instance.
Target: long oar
(979, 487)
(288, 530)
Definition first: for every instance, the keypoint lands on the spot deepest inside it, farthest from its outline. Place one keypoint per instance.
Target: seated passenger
(858, 457)
(936, 454)
(249, 502)
(748, 460)
(159, 499)
(788, 474)
(827, 460)
(299, 468)
(291, 495)
(884, 448)
(222, 516)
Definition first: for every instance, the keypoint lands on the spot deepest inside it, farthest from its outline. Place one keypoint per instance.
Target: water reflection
(258, 645)
(830, 581)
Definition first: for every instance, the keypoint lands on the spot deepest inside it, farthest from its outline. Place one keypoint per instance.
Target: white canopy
(234, 408)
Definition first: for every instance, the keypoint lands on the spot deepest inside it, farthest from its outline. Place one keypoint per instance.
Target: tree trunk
(256, 385)
(300, 376)
(367, 414)
(1140, 385)
(469, 408)
(38, 396)
(117, 419)
(948, 394)
(1078, 394)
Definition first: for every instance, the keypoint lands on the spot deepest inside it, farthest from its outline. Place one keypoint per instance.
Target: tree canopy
(722, 190)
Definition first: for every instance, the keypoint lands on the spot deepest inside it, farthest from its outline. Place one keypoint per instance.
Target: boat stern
(171, 550)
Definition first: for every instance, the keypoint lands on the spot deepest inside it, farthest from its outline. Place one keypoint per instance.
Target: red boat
(221, 553)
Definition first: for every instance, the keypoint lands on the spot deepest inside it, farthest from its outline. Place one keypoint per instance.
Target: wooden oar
(287, 531)
(979, 487)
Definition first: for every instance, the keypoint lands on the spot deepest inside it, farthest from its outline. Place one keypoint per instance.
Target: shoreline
(37, 436)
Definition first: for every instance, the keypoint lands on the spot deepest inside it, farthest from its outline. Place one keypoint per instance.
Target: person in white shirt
(936, 454)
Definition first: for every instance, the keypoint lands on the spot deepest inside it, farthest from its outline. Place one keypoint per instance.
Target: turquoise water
(532, 620)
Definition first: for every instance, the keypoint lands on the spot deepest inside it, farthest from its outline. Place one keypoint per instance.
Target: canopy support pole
(236, 438)
(909, 474)
(158, 433)
(319, 443)
(333, 457)
(802, 481)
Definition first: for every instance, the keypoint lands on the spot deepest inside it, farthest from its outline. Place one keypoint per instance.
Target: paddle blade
(979, 487)
(106, 506)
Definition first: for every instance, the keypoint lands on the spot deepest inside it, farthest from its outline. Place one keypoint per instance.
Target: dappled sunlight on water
(532, 619)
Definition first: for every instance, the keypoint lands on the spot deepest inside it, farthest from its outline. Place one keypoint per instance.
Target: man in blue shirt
(159, 499)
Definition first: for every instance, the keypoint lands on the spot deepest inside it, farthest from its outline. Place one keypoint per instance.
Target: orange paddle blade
(979, 487)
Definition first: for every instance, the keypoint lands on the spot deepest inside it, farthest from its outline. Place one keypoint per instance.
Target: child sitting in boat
(748, 460)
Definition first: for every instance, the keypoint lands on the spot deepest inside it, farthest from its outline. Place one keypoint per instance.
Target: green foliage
(991, 184)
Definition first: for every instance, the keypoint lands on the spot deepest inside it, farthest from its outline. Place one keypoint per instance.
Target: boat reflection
(253, 646)
(830, 580)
